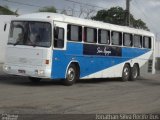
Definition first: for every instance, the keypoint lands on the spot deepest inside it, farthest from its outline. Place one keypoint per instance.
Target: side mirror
(5, 26)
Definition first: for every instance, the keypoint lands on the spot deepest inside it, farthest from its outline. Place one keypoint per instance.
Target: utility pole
(128, 12)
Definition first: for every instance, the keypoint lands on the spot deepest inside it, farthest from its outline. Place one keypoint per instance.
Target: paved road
(18, 95)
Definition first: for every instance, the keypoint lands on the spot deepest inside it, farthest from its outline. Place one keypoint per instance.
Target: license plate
(22, 71)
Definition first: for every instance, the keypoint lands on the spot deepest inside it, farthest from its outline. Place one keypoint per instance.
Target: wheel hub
(126, 72)
(71, 74)
(135, 73)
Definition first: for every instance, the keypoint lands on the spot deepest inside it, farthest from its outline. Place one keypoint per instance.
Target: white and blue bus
(56, 46)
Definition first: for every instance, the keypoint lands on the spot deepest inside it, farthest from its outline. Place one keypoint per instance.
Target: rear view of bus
(28, 51)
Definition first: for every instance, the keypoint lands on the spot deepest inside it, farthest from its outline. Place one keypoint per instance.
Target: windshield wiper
(16, 43)
(34, 45)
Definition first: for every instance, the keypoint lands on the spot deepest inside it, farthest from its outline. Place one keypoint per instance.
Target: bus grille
(150, 63)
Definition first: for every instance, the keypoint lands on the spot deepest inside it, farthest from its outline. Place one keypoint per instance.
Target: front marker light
(47, 62)
(41, 72)
(36, 72)
(6, 68)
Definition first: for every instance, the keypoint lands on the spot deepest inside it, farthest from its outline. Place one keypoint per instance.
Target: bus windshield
(30, 33)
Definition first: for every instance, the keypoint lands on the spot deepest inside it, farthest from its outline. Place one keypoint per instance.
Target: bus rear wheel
(71, 76)
(34, 80)
(134, 72)
(126, 72)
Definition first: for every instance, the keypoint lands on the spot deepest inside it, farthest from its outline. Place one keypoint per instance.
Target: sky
(147, 10)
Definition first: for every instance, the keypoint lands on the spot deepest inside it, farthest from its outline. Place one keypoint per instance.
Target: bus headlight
(39, 72)
(6, 68)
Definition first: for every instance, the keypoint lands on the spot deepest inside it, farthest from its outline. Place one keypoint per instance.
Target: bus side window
(104, 36)
(127, 39)
(90, 35)
(74, 33)
(138, 41)
(147, 42)
(116, 38)
(59, 37)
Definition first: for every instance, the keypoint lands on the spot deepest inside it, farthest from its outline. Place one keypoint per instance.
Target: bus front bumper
(39, 72)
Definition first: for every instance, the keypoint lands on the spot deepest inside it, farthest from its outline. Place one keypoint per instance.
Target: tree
(117, 15)
(6, 11)
(48, 9)
(140, 24)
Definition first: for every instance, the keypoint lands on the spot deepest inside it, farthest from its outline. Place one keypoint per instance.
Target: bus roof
(46, 16)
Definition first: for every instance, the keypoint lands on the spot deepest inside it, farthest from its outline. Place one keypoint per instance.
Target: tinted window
(146, 42)
(103, 36)
(116, 38)
(90, 35)
(59, 37)
(74, 33)
(137, 41)
(127, 39)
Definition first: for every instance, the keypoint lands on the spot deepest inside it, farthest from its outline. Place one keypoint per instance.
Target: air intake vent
(150, 62)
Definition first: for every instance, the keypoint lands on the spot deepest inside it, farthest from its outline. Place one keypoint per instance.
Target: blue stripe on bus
(89, 64)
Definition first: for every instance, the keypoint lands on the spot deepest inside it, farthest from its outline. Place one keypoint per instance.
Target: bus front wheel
(71, 75)
(126, 72)
(34, 80)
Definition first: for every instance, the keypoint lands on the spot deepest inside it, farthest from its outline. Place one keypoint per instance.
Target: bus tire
(34, 80)
(72, 75)
(134, 72)
(126, 72)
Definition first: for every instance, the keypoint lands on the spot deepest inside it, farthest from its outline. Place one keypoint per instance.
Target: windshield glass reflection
(30, 33)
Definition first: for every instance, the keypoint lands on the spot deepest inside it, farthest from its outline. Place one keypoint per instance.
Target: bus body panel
(4, 31)
(28, 61)
(95, 66)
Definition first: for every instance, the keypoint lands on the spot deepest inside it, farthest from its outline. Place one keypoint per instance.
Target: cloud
(153, 3)
(147, 11)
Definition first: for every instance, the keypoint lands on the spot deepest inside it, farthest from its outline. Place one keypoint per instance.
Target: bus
(4, 31)
(61, 47)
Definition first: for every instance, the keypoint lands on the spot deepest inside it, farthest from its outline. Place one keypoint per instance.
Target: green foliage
(117, 15)
(48, 9)
(140, 24)
(6, 11)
